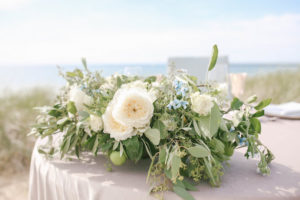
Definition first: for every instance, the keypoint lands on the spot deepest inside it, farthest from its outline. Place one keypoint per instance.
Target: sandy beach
(14, 187)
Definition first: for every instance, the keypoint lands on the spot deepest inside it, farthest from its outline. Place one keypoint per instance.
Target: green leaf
(162, 155)
(116, 145)
(66, 145)
(95, 147)
(75, 73)
(180, 191)
(55, 113)
(153, 135)
(263, 104)
(213, 59)
(189, 186)
(196, 127)
(83, 115)
(162, 128)
(218, 145)
(83, 60)
(198, 151)
(223, 125)
(119, 82)
(210, 124)
(259, 113)
(255, 123)
(175, 166)
(252, 99)
(208, 167)
(71, 107)
(133, 148)
(236, 104)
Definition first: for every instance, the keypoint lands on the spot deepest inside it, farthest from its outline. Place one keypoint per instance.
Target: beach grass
(281, 86)
(16, 117)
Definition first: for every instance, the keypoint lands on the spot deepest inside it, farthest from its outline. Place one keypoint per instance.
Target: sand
(14, 187)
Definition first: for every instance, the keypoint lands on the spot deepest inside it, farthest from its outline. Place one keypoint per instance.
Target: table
(88, 179)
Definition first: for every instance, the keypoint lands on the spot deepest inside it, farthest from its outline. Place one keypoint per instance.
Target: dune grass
(16, 117)
(281, 86)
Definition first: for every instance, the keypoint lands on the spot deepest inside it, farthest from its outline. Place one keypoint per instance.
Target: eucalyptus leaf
(158, 124)
(95, 147)
(153, 135)
(189, 186)
(175, 166)
(210, 124)
(180, 191)
(198, 151)
(162, 155)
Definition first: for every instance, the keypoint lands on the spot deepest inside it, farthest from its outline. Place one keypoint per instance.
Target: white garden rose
(135, 84)
(133, 107)
(96, 123)
(79, 98)
(223, 89)
(116, 130)
(201, 103)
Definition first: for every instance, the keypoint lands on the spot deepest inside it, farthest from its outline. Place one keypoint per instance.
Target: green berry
(116, 159)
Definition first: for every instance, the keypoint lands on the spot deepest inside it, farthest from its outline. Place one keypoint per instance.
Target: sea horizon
(23, 76)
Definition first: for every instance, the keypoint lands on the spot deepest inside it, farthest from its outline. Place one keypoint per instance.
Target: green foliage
(198, 151)
(181, 191)
(134, 148)
(236, 104)
(214, 58)
(263, 104)
(153, 135)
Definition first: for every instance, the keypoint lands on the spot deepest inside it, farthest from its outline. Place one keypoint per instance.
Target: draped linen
(88, 179)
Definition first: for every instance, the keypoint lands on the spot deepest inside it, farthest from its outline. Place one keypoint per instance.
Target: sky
(138, 31)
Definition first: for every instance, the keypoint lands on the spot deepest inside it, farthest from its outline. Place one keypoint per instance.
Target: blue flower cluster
(242, 141)
(175, 104)
(179, 88)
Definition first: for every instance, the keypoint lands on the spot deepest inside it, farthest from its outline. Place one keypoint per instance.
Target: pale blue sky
(56, 31)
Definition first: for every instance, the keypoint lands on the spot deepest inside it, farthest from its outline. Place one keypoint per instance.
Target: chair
(198, 66)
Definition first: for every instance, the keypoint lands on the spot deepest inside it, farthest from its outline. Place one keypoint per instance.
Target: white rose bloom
(201, 104)
(79, 98)
(135, 84)
(133, 107)
(223, 89)
(115, 129)
(237, 116)
(96, 123)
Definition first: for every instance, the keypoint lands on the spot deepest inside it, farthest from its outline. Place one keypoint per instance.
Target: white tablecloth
(89, 179)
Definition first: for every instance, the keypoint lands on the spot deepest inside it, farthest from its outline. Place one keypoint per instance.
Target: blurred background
(260, 38)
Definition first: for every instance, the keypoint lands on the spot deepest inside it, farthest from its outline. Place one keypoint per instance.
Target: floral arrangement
(187, 130)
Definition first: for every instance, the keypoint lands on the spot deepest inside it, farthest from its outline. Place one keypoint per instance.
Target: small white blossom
(201, 103)
(96, 123)
(79, 98)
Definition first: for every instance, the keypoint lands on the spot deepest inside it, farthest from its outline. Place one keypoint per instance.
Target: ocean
(29, 76)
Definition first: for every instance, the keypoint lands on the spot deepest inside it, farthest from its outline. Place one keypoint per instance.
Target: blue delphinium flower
(242, 141)
(175, 104)
(184, 104)
(179, 88)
